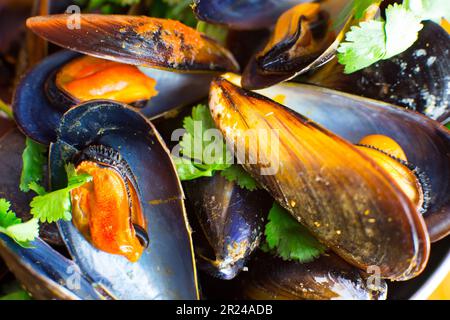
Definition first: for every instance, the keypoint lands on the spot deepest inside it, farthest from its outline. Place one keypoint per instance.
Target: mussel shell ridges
(326, 278)
(166, 270)
(425, 141)
(367, 222)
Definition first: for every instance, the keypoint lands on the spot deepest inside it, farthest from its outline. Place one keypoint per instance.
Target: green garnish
(288, 239)
(174, 9)
(16, 295)
(34, 160)
(242, 178)
(6, 109)
(375, 40)
(204, 154)
(56, 205)
(106, 6)
(216, 32)
(21, 232)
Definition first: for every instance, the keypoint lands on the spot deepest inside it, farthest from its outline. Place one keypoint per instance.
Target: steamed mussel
(367, 181)
(120, 69)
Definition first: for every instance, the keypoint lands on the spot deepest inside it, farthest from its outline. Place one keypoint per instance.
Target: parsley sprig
(33, 162)
(203, 154)
(21, 232)
(381, 39)
(288, 239)
(54, 206)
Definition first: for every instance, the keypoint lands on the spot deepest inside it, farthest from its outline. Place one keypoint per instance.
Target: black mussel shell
(232, 220)
(242, 14)
(166, 269)
(327, 278)
(417, 79)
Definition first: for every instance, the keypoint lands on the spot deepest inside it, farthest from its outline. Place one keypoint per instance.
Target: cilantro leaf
(202, 147)
(56, 205)
(242, 178)
(363, 46)
(21, 232)
(187, 170)
(401, 28)
(447, 125)
(429, 9)
(360, 7)
(33, 159)
(289, 239)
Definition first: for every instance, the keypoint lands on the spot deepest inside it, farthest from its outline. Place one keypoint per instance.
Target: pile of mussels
(363, 161)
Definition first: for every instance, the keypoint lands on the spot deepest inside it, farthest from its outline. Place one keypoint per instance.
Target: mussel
(339, 193)
(242, 14)
(129, 236)
(327, 278)
(66, 79)
(232, 220)
(305, 37)
(416, 79)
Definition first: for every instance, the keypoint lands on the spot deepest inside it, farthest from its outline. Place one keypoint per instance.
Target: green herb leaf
(377, 40)
(240, 176)
(203, 151)
(56, 205)
(363, 46)
(21, 232)
(289, 239)
(429, 9)
(33, 162)
(401, 29)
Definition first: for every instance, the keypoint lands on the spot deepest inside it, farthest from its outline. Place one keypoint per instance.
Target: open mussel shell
(304, 38)
(46, 274)
(242, 14)
(143, 41)
(425, 142)
(232, 220)
(347, 201)
(35, 115)
(326, 278)
(416, 79)
(12, 144)
(39, 105)
(166, 269)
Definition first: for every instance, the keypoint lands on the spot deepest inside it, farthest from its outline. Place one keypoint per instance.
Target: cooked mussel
(305, 37)
(341, 195)
(327, 278)
(129, 230)
(242, 15)
(425, 142)
(232, 220)
(142, 41)
(39, 101)
(416, 79)
(66, 79)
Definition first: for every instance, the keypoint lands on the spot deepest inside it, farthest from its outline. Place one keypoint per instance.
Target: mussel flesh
(129, 230)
